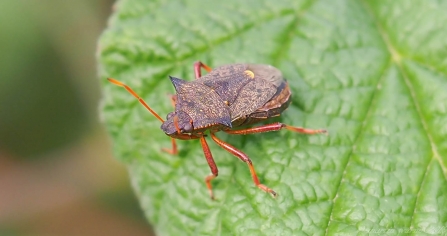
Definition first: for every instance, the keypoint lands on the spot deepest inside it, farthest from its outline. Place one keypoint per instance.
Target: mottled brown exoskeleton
(227, 97)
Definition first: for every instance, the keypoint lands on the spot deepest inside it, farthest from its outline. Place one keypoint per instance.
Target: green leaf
(374, 73)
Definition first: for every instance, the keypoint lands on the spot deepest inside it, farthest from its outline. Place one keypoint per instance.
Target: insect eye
(169, 115)
(187, 128)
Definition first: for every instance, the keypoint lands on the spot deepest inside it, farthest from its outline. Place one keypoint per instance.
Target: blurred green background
(57, 173)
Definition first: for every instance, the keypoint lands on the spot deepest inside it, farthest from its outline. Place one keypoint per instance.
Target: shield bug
(226, 98)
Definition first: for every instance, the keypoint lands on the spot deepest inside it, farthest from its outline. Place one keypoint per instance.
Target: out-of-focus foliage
(40, 109)
(57, 175)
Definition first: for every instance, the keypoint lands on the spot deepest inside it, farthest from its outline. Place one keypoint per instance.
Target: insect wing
(251, 97)
(201, 103)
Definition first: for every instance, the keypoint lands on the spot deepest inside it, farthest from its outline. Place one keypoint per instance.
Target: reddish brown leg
(173, 99)
(211, 163)
(197, 66)
(172, 151)
(276, 127)
(243, 157)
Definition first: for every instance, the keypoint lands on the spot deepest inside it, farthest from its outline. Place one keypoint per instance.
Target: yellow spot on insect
(227, 103)
(250, 74)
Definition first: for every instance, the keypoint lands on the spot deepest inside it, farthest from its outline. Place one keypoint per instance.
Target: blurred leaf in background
(41, 110)
(372, 72)
(57, 175)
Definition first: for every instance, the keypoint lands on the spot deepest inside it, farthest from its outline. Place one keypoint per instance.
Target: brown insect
(227, 97)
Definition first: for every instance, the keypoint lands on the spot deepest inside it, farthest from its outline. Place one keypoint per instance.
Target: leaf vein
(359, 133)
(397, 60)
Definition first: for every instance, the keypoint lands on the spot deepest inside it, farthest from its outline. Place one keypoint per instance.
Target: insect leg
(172, 151)
(116, 82)
(243, 157)
(197, 66)
(211, 163)
(173, 99)
(275, 127)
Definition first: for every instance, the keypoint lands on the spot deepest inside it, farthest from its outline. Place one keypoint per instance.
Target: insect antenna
(121, 84)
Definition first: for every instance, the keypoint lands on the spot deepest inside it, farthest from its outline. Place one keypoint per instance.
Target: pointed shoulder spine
(177, 82)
